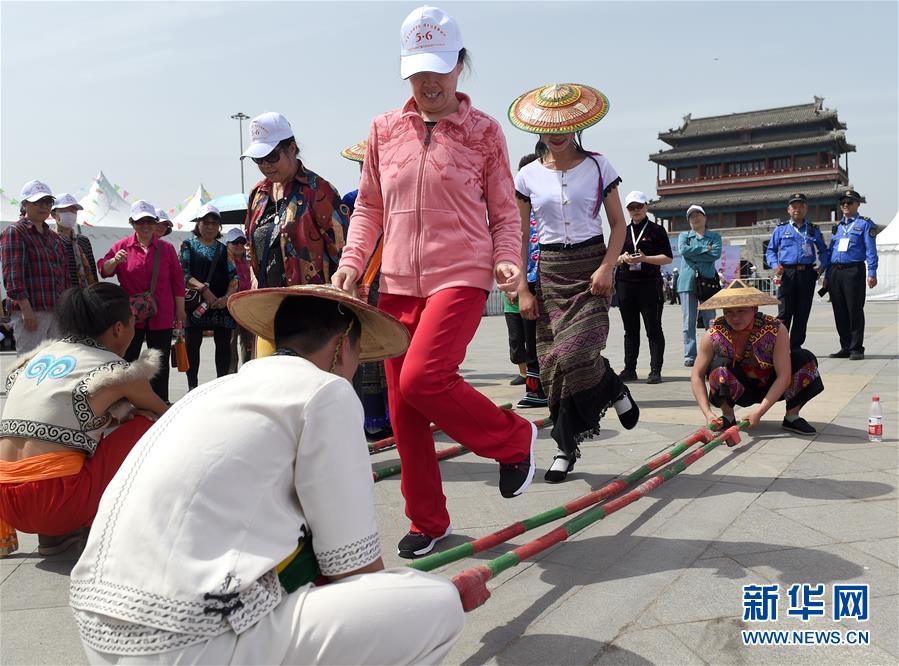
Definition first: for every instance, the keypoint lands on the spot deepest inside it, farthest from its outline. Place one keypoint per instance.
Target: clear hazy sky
(144, 90)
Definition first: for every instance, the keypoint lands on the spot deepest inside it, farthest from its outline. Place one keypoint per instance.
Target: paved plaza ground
(659, 582)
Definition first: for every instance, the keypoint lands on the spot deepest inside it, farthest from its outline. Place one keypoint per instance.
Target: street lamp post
(240, 117)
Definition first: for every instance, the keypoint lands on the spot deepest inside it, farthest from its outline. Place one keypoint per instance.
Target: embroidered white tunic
(214, 496)
(49, 391)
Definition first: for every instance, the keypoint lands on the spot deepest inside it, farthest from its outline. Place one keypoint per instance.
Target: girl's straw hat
(559, 108)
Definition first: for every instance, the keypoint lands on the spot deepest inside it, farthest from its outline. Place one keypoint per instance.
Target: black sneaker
(514, 478)
(518, 381)
(799, 425)
(532, 399)
(688, 362)
(415, 544)
(627, 409)
(843, 353)
(655, 377)
(628, 375)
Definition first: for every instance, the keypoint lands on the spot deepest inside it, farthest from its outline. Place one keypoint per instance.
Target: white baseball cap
(634, 197)
(35, 190)
(208, 209)
(141, 209)
(430, 42)
(162, 216)
(66, 200)
(694, 209)
(233, 234)
(266, 131)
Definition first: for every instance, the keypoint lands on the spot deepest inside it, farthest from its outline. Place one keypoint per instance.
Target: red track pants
(424, 386)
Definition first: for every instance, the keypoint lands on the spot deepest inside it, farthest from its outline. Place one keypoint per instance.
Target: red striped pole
(472, 583)
(613, 487)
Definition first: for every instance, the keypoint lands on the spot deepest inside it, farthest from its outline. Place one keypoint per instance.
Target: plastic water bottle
(200, 311)
(875, 421)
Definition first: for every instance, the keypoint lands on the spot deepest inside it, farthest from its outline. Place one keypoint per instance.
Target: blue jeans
(688, 304)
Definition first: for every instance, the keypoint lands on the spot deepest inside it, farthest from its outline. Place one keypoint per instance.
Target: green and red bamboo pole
(615, 486)
(472, 583)
(390, 442)
(449, 452)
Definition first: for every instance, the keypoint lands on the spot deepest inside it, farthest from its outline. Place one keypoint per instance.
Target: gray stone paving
(658, 582)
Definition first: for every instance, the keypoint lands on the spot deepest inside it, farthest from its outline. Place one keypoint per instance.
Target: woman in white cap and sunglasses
(33, 259)
(81, 263)
(699, 248)
(296, 223)
(434, 171)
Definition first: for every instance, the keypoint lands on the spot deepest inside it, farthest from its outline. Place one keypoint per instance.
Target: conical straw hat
(382, 335)
(356, 152)
(737, 295)
(559, 108)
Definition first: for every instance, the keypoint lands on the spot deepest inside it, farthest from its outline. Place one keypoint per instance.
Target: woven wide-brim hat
(737, 295)
(382, 335)
(356, 152)
(559, 108)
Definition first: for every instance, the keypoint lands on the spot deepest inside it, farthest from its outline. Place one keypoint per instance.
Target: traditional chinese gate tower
(741, 168)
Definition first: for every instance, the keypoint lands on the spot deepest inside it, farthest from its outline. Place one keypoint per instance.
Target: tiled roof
(825, 193)
(828, 138)
(734, 122)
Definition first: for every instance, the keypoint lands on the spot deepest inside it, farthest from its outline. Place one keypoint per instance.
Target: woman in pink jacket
(436, 183)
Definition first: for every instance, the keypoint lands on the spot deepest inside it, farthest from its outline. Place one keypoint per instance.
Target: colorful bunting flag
(13, 202)
(125, 194)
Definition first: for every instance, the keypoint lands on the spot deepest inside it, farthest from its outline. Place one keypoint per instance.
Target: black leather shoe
(655, 377)
(843, 353)
(628, 375)
(856, 356)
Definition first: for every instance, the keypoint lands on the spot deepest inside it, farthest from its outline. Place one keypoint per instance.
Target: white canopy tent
(9, 211)
(887, 288)
(184, 220)
(104, 206)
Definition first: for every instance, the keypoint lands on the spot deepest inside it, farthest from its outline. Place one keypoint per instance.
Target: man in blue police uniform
(851, 245)
(791, 253)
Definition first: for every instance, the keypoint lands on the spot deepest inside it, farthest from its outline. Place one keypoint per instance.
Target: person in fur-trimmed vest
(74, 410)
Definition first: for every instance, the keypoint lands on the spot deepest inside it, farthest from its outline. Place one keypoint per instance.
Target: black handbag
(193, 297)
(706, 287)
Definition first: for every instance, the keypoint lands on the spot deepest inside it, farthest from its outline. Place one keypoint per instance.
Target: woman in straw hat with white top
(565, 189)
(270, 497)
(434, 172)
(746, 358)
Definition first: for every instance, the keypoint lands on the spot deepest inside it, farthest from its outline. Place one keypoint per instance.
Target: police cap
(799, 197)
(851, 195)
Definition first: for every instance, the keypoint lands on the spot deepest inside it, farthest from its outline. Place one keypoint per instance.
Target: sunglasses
(145, 220)
(271, 158)
(239, 241)
(635, 206)
(848, 202)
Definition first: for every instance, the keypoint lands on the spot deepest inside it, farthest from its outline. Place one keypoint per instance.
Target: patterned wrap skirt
(571, 333)
(731, 384)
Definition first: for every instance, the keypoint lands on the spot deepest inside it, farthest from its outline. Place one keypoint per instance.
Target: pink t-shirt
(135, 272)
